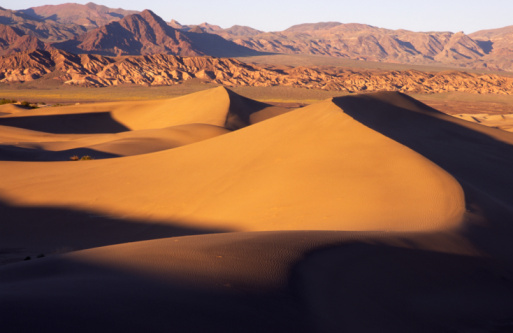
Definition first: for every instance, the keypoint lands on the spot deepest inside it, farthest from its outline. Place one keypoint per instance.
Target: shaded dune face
(314, 168)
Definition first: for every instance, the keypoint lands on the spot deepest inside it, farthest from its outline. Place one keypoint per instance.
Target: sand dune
(107, 130)
(8, 109)
(104, 145)
(501, 121)
(362, 213)
(218, 106)
(322, 172)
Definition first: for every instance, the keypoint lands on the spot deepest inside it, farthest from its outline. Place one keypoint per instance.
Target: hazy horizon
(437, 15)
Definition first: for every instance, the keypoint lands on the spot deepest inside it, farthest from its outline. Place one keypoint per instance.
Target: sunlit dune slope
(218, 106)
(106, 130)
(313, 168)
(8, 109)
(38, 146)
(501, 121)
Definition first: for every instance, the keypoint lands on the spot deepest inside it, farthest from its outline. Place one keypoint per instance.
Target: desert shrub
(29, 105)
(83, 158)
(7, 101)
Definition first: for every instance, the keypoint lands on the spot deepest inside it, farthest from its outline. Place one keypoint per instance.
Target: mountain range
(95, 29)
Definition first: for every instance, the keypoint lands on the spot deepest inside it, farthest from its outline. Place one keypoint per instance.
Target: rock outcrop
(101, 71)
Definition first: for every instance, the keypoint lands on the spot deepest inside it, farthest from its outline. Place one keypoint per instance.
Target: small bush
(7, 101)
(28, 105)
(83, 158)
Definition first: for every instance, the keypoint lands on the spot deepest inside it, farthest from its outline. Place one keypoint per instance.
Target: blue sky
(275, 15)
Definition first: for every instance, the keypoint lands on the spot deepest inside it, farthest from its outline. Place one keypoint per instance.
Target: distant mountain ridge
(146, 33)
(98, 29)
(366, 42)
(89, 15)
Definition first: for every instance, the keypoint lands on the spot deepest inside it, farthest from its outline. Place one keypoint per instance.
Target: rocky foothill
(102, 71)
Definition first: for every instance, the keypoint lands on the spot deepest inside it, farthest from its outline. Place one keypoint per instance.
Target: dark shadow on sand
(375, 287)
(20, 154)
(87, 123)
(70, 296)
(49, 230)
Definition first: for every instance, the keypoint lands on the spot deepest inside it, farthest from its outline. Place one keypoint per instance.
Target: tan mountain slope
(146, 33)
(58, 23)
(363, 42)
(46, 30)
(12, 41)
(498, 44)
(89, 15)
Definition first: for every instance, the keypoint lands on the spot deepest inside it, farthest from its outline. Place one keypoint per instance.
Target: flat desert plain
(213, 212)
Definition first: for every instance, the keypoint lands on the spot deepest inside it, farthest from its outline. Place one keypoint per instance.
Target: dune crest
(362, 213)
(314, 168)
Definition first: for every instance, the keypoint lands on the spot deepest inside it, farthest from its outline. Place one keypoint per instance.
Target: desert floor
(214, 212)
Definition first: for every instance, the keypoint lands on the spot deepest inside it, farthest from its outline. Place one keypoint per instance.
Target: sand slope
(313, 168)
(362, 214)
(502, 121)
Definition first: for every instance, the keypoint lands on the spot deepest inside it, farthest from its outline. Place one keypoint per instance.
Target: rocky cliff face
(100, 71)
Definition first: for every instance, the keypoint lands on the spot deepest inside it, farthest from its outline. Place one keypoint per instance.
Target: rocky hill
(12, 41)
(146, 33)
(100, 71)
